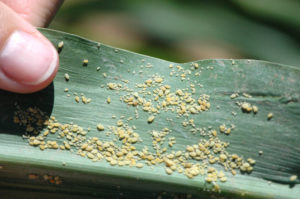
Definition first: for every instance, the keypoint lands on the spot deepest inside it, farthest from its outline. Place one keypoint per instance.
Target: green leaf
(274, 88)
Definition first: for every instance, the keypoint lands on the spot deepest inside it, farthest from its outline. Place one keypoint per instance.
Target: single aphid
(208, 179)
(84, 99)
(66, 90)
(88, 100)
(214, 133)
(60, 45)
(139, 165)
(151, 119)
(270, 116)
(67, 77)
(158, 79)
(222, 128)
(42, 147)
(100, 127)
(246, 95)
(260, 152)
(196, 65)
(120, 123)
(169, 171)
(108, 100)
(223, 179)
(223, 157)
(90, 155)
(255, 109)
(98, 45)
(234, 95)
(77, 99)
(228, 131)
(293, 178)
(85, 62)
(98, 68)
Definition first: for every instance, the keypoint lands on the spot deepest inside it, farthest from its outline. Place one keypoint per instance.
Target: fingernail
(27, 59)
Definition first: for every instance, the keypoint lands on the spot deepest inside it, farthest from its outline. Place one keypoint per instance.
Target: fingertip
(28, 63)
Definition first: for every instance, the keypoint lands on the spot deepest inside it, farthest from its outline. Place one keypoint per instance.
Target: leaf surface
(274, 89)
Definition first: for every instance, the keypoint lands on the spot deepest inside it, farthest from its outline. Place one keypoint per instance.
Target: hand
(28, 61)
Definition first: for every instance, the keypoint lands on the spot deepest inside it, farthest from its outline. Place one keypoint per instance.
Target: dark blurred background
(183, 31)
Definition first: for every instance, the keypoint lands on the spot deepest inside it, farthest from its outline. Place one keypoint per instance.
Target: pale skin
(28, 61)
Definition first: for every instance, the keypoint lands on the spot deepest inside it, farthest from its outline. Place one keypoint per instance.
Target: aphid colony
(48, 178)
(196, 159)
(153, 96)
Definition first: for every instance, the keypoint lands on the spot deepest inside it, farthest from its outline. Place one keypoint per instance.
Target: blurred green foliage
(184, 31)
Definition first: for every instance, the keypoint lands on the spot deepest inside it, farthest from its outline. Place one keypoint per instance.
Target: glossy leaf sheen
(275, 88)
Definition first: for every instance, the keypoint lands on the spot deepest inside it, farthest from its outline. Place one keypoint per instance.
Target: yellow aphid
(139, 165)
(223, 157)
(246, 107)
(60, 45)
(90, 155)
(88, 100)
(222, 128)
(208, 179)
(148, 81)
(221, 174)
(223, 179)
(168, 171)
(190, 148)
(249, 169)
(120, 123)
(196, 65)
(234, 95)
(108, 100)
(67, 77)
(234, 156)
(251, 161)
(214, 133)
(293, 178)
(233, 172)
(85, 62)
(228, 131)
(100, 127)
(270, 116)
(42, 147)
(179, 92)
(246, 165)
(84, 99)
(151, 119)
(77, 99)
(255, 109)
(112, 86)
(158, 79)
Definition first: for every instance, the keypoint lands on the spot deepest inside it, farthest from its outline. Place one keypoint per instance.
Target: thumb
(28, 61)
